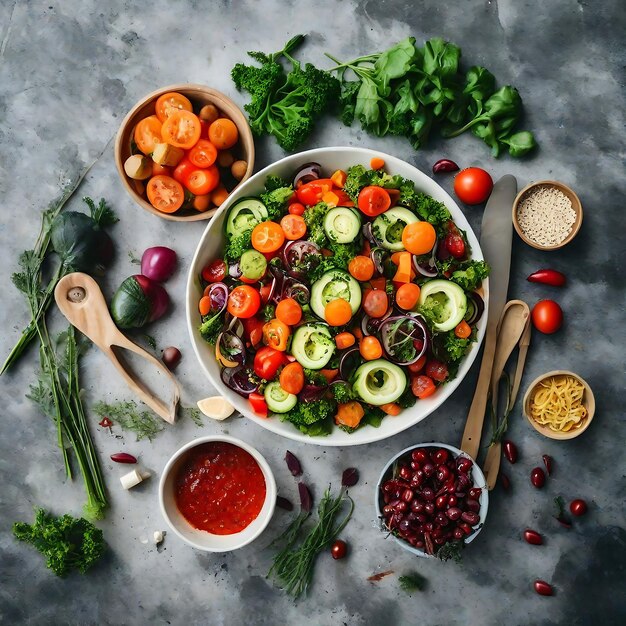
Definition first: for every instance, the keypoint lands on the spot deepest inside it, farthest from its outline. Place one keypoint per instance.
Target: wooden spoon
(511, 330)
(79, 298)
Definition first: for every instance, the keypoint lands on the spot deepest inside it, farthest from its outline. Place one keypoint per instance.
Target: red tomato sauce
(220, 488)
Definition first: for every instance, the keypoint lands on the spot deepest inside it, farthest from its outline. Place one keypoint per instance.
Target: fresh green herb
(237, 246)
(412, 582)
(293, 565)
(127, 414)
(455, 347)
(212, 325)
(312, 418)
(314, 219)
(151, 341)
(268, 312)
(58, 394)
(451, 550)
(343, 393)
(407, 399)
(409, 91)
(314, 377)
(66, 543)
(275, 201)
(499, 428)
(470, 274)
(192, 413)
(285, 105)
(133, 258)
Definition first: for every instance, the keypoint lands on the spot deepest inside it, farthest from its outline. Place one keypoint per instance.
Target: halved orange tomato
(165, 193)
(148, 133)
(170, 102)
(181, 129)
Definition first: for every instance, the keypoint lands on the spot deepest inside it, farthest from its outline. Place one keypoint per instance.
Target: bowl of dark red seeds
(432, 499)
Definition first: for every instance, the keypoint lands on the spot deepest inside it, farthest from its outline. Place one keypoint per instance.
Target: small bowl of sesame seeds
(547, 215)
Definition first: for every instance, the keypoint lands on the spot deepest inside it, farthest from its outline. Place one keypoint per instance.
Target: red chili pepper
(548, 277)
(105, 422)
(123, 457)
(258, 404)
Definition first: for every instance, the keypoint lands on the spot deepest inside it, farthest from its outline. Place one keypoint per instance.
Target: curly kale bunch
(283, 104)
(66, 542)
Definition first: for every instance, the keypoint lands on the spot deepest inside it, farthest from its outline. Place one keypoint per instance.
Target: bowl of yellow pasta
(559, 404)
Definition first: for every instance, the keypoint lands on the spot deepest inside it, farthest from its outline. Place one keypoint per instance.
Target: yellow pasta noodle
(557, 403)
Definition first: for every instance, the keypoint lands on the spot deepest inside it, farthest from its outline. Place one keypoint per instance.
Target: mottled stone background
(69, 71)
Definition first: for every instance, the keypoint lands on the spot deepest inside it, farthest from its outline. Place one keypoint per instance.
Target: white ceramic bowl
(211, 245)
(201, 539)
(479, 481)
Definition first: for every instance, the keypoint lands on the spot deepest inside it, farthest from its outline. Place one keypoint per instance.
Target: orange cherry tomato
(295, 208)
(377, 163)
(338, 312)
(276, 334)
(219, 196)
(158, 170)
(267, 237)
(289, 311)
(165, 194)
(329, 374)
(407, 296)
(391, 408)
(181, 129)
(170, 102)
(203, 154)
(202, 181)
(183, 170)
(361, 268)
(223, 133)
(349, 414)
(244, 301)
(423, 386)
(463, 330)
(373, 200)
(204, 306)
(376, 303)
(370, 348)
(201, 203)
(419, 237)
(418, 366)
(292, 378)
(293, 226)
(345, 340)
(148, 133)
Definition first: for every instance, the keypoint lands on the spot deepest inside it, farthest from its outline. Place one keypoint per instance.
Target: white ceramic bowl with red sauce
(201, 539)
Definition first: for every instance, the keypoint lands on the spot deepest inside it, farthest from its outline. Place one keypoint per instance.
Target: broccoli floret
(273, 182)
(357, 177)
(343, 253)
(67, 543)
(343, 393)
(314, 219)
(238, 245)
(285, 105)
(433, 211)
(276, 200)
(313, 377)
(470, 274)
(212, 325)
(455, 347)
(312, 418)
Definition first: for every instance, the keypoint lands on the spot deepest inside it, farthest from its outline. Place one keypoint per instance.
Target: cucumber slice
(388, 227)
(312, 346)
(332, 285)
(252, 264)
(443, 303)
(277, 399)
(379, 382)
(245, 215)
(342, 225)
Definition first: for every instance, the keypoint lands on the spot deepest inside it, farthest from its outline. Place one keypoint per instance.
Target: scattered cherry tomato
(223, 133)
(547, 316)
(376, 303)
(370, 348)
(339, 549)
(267, 237)
(418, 366)
(203, 154)
(253, 330)
(407, 296)
(311, 193)
(289, 311)
(463, 330)
(181, 129)
(296, 208)
(293, 226)
(473, 185)
(419, 237)
(361, 267)
(338, 312)
(170, 102)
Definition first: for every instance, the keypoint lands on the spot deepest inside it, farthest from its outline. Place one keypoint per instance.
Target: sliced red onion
(307, 173)
(238, 379)
(295, 256)
(378, 256)
(298, 291)
(271, 292)
(479, 307)
(234, 270)
(416, 331)
(235, 326)
(312, 393)
(350, 360)
(369, 235)
(232, 347)
(218, 294)
(371, 325)
(424, 270)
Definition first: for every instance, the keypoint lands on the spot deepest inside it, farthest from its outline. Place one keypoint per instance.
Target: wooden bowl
(199, 96)
(588, 402)
(576, 205)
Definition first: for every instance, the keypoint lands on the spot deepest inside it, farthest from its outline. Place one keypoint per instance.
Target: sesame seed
(545, 215)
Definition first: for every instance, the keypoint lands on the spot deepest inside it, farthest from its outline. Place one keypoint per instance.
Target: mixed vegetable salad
(341, 297)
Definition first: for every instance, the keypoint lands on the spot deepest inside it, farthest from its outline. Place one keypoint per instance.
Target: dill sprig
(293, 565)
(412, 582)
(128, 416)
(451, 550)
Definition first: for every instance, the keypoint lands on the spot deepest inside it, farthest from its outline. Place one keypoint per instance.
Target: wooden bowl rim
(588, 400)
(576, 205)
(215, 96)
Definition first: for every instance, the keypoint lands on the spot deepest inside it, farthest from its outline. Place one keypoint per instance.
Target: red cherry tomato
(296, 208)
(311, 193)
(436, 370)
(258, 404)
(547, 316)
(253, 330)
(473, 185)
(215, 272)
(423, 386)
(373, 200)
(267, 361)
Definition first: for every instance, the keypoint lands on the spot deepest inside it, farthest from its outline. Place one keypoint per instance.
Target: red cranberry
(440, 456)
(472, 505)
(429, 508)
(453, 513)
(538, 477)
(428, 469)
(405, 473)
(441, 502)
(452, 500)
(458, 534)
(428, 494)
(475, 493)
(420, 455)
(464, 464)
(443, 473)
(470, 517)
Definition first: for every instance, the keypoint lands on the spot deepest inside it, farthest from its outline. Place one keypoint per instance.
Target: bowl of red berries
(432, 499)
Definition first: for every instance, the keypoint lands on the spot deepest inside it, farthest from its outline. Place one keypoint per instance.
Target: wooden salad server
(80, 299)
(514, 330)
